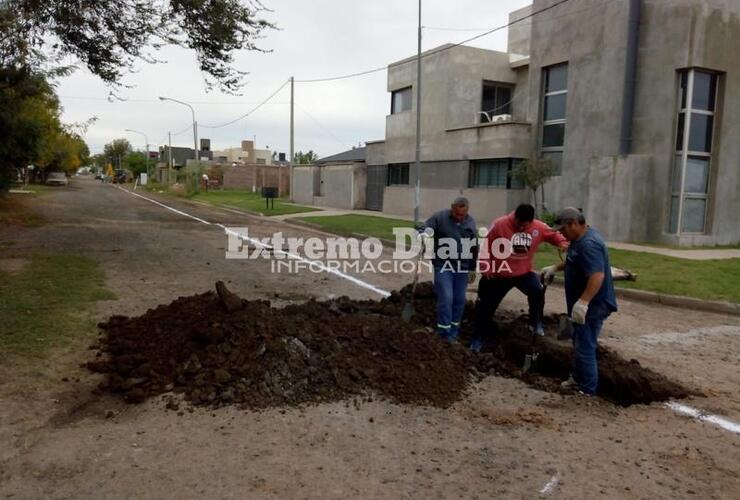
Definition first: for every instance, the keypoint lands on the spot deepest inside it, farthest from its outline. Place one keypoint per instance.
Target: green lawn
(47, 302)
(17, 210)
(703, 279)
(250, 202)
(380, 227)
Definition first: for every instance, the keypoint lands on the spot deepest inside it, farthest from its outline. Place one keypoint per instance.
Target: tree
(110, 36)
(30, 129)
(117, 151)
(308, 157)
(66, 152)
(534, 173)
(136, 162)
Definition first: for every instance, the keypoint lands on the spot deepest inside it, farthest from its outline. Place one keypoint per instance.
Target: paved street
(504, 440)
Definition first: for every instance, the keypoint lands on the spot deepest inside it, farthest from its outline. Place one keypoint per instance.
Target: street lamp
(146, 139)
(195, 124)
(195, 128)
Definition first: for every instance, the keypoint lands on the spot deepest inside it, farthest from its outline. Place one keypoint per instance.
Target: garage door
(376, 179)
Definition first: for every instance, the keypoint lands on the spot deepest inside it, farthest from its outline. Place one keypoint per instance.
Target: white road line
(164, 206)
(547, 489)
(316, 263)
(690, 411)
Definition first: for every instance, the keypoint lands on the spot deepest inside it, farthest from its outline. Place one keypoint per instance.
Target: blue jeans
(450, 286)
(585, 367)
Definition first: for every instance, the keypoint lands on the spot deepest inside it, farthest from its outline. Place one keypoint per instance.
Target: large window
(554, 101)
(494, 173)
(496, 101)
(398, 174)
(400, 100)
(697, 96)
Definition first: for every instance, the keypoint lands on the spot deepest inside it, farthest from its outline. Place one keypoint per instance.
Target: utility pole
(195, 135)
(146, 140)
(169, 158)
(417, 163)
(195, 140)
(292, 135)
(147, 164)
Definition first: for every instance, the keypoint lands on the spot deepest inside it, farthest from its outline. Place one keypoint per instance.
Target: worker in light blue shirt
(589, 294)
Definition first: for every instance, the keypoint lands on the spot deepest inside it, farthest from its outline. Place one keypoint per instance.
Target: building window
(496, 101)
(400, 100)
(398, 174)
(554, 102)
(697, 96)
(494, 173)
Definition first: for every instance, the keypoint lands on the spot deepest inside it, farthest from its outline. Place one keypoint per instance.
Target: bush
(548, 218)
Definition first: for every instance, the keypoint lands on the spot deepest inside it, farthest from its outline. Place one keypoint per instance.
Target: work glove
(425, 233)
(548, 274)
(578, 314)
(471, 277)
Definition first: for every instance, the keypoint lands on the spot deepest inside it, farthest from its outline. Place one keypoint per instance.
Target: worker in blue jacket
(455, 257)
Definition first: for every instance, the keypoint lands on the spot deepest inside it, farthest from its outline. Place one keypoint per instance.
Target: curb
(673, 300)
(679, 301)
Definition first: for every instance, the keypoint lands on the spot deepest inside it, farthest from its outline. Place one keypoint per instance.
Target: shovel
(408, 307)
(531, 359)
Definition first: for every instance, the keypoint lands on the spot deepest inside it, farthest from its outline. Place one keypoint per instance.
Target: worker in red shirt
(505, 262)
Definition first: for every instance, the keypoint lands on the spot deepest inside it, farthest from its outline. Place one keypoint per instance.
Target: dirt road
(504, 440)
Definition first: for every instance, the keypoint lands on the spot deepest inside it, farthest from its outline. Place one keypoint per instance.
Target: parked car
(56, 179)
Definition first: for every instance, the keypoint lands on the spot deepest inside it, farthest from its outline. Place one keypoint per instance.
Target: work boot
(538, 330)
(570, 383)
(476, 345)
(447, 336)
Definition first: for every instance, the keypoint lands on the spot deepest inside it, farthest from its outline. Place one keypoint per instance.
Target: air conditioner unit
(491, 118)
(500, 118)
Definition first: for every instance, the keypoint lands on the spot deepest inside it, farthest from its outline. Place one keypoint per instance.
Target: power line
(329, 132)
(138, 100)
(258, 106)
(441, 49)
(186, 129)
(434, 28)
(343, 77)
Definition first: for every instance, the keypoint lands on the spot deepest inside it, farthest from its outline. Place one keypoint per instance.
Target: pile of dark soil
(258, 356)
(218, 349)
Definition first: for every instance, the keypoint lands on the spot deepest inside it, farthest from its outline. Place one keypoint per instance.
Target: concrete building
(472, 134)
(246, 154)
(180, 156)
(337, 181)
(651, 109)
(635, 102)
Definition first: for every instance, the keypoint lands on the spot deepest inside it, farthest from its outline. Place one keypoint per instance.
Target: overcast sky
(317, 39)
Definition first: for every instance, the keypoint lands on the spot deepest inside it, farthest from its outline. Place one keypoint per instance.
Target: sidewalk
(689, 254)
(329, 211)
